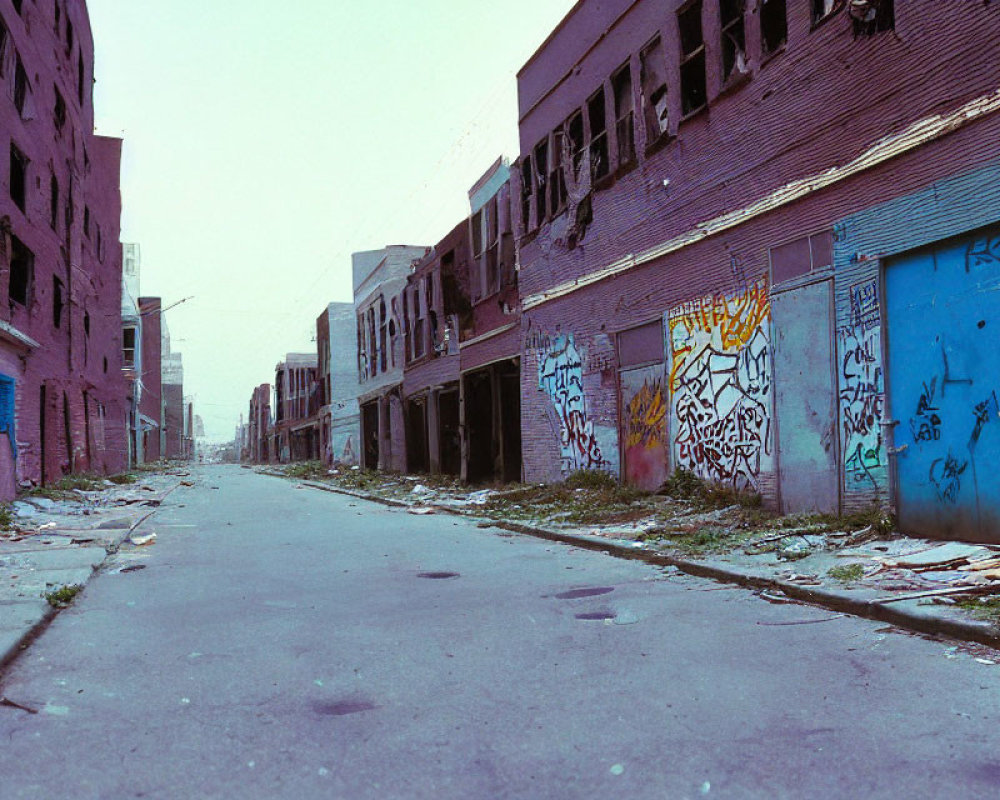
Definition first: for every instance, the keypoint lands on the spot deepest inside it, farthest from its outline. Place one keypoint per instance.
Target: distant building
(257, 445)
(172, 380)
(150, 378)
(132, 350)
(337, 378)
(62, 392)
(295, 434)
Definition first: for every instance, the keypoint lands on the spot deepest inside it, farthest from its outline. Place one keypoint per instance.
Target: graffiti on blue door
(943, 306)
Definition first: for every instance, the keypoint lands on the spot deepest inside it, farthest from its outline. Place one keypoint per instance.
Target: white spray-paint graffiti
(862, 397)
(721, 386)
(560, 376)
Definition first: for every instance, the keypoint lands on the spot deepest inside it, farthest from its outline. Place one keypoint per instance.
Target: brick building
(337, 375)
(379, 277)
(151, 389)
(490, 343)
(435, 305)
(62, 393)
(295, 433)
(258, 427)
(730, 217)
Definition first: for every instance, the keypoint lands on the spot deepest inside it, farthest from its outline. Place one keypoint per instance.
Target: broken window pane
(693, 92)
(872, 16)
(557, 182)
(54, 202)
(733, 39)
(598, 136)
(621, 85)
(822, 8)
(22, 262)
(57, 301)
(18, 176)
(773, 25)
(653, 83)
(526, 193)
(59, 111)
(128, 348)
(575, 137)
(541, 175)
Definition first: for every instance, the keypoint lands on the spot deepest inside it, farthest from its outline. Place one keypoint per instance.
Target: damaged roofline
(919, 133)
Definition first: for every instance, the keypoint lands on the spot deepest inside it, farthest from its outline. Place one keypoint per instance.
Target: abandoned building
(295, 433)
(379, 277)
(151, 379)
(257, 448)
(132, 353)
(435, 305)
(489, 337)
(337, 375)
(753, 246)
(62, 392)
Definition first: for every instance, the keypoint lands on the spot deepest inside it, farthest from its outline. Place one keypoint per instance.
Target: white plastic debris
(140, 540)
(420, 510)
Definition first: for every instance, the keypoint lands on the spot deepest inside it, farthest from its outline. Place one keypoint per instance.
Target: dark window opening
(541, 176)
(872, 16)
(57, 301)
(80, 77)
(575, 141)
(69, 35)
(18, 176)
(86, 323)
(59, 111)
(54, 203)
(100, 244)
(734, 60)
(128, 348)
(621, 85)
(57, 18)
(653, 84)
(86, 221)
(773, 26)
(598, 147)
(477, 234)
(383, 337)
(419, 308)
(526, 193)
(693, 92)
(20, 86)
(17, 5)
(22, 263)
(557, 181)
(3, 45)
(492, 247)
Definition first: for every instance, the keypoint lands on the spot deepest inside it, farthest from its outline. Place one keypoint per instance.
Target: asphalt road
(284, 642)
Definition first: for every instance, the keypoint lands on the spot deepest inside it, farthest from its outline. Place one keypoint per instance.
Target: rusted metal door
(643, 406)
(943, 310)
(805, 398)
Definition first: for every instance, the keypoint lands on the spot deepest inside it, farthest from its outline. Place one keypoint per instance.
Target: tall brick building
(62, 392)
(759, 240)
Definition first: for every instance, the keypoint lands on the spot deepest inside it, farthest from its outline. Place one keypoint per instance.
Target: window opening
(128, 348)
(871, 16)
(383, 334)
(526, 193)
(86, 221)
(18, 176)
(57, 301)
(54, 203)
(734, 61)
(541, 176)
(621, 84)
(20, 86)
(773, 25)
(59, 111)
(22, 262)
(575, 141)
(557, 181)
(17, 5)
(823, 8)
(80, 78)
(653, 84)
(69, 35)
(693, 93)
(596, 116)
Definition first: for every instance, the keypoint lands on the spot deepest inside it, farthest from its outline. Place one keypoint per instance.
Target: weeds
(6, 517)
(847, 573)
(684, 485)
(304, 470)
(123, 478)
(63, 596)
(985, 608)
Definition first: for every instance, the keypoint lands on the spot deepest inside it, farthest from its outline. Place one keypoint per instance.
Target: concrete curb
(17, 646)
(901, 617)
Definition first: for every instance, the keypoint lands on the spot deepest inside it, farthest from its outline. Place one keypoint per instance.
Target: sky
(262, 149)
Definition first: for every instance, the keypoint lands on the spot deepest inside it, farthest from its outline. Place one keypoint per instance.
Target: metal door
(644, 426)
(805, 399)
(943, 316)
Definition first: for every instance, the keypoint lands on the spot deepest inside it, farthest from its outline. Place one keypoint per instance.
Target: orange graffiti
(645, 422)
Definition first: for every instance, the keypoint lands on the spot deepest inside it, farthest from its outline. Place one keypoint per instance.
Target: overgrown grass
(847, 573)
(63, 596)
(685, 485)
(985, 608)
(361, 480)
(306, 470)
(6, 517)
(587, 497)
(123, 478)
(708, 539)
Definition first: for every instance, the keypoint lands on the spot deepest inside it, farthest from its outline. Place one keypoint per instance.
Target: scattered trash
(142, 539)
(132, 568)
(420, 489)
(988, 661)
(422, 510)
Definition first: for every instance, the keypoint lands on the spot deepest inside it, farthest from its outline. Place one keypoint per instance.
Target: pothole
(343, 707)
(438, 576)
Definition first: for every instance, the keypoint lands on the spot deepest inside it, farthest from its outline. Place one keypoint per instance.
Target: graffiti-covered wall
(583, 444)
(720, 383)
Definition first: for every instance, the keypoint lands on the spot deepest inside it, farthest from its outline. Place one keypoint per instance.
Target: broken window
(3, 46)
(59, 111)
(477, 234)
(22, 266)
(541, 176)
(575, 142)
(86, 221)
(383, 334)
(69, 35)
(80, 78)
(557, 181)
(653, 84)
(598, 146)
(773, 26)
(57, 301)
(492, 248)
(419, 312)
(733, 39)
(18, 176)
(693, 92)
(526, 186)
(823, 8)
(871, 16)
(20, 86)
(621, 85)
(58, 16)
(17, 5)
(128, 348)
(54, 203)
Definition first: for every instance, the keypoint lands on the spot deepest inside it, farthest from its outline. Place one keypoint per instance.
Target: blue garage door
(943, 311)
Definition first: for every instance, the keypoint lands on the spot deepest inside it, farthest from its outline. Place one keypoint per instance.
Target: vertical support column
(433, 431)
(463, 432)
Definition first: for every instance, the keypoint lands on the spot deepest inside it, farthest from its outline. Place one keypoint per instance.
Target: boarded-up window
(801, 257)
(642, 345)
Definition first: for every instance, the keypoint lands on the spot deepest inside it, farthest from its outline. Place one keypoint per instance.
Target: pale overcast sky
(264, 143)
